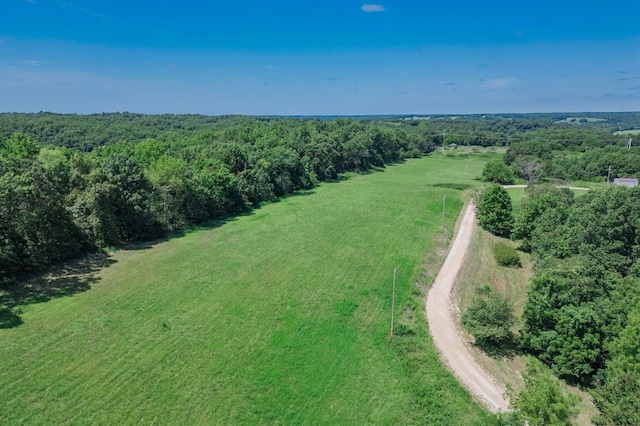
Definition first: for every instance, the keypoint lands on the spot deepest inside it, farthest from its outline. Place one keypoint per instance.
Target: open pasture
(628, 132)
(280, 316)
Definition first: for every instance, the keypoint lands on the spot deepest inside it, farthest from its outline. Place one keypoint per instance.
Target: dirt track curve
(444, 330)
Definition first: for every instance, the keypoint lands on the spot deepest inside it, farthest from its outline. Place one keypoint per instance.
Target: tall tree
(115, 208)
(496, 171)
(541, 217)
(495, 211)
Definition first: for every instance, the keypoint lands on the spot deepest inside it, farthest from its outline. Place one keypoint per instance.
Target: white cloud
(500, 83)
(373, 8)
(33, 62)
(64, 5)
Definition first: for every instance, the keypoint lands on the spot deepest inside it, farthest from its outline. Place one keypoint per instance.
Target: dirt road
(573, 188)
(444, 331)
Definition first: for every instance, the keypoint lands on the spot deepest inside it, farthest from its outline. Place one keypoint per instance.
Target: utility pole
(444, 138)
(393, 300)
(444, 202)
(466, 172)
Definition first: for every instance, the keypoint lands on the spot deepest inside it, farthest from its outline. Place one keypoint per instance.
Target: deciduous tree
(495, 211)
(542, 402)
(496, 171)
(489, 319)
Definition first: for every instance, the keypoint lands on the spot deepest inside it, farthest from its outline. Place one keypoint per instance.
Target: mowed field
(280, 316)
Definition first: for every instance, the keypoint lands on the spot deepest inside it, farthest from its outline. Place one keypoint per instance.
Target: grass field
(280, 316)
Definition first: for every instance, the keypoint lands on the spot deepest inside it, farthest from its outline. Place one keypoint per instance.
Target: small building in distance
(626, 182)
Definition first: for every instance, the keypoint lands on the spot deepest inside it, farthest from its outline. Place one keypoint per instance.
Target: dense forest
(57, 202)
(85, 132)
(583, 308)
(72, 183)
(581, 317)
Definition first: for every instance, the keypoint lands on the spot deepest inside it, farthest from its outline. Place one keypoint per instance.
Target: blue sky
(319, 57)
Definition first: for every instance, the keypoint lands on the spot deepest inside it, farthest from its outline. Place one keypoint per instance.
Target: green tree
(149, 151)
(541, 217)
(35, 228)
(541, 401)
(489, 319)
(115, 207)
(618, 400)
(495, 212)
(255, 184)
(625, 349)
(496, 171)
(604, 226)
(175, 201)
(322, 156)
(234, 156)
(94, 210)
(217, 187)
(20, 146)
(564, 320)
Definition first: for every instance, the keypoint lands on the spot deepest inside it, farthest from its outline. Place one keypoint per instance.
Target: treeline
(117, 178)
(573, 154)
(609, 121)
(582, 316)
(86, 132)
(58, 203)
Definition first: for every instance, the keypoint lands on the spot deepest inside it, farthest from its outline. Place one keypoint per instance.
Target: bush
(489, 319)
(506, 255)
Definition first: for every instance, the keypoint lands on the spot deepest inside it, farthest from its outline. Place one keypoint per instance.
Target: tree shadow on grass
(178, 233)
(65, 280)
(506, 349)
(10, 318)
(300, 193)
(458, 186)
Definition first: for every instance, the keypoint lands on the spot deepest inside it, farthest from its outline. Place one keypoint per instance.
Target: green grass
(628, 132)
(518, 194)
(277, 317)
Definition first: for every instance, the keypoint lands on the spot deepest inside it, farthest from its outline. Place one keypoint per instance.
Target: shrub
(489, 319)
(506, 255)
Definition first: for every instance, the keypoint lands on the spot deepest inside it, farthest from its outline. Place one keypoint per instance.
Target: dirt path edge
(443, 327)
